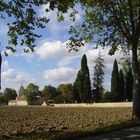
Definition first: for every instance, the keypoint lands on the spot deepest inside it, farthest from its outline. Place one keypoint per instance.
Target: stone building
(20, 100)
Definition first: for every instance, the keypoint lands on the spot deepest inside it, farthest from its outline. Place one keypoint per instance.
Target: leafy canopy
(108, 23)
(23, 20)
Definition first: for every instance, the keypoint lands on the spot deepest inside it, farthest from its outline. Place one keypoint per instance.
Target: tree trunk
(136, 83)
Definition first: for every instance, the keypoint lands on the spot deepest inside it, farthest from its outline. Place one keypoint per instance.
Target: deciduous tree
(49, 93)
(113, 23)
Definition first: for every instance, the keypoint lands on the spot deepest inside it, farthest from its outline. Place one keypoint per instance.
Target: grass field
(51, 122)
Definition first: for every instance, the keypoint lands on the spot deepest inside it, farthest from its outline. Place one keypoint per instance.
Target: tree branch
(125, 25)
(138, 25)
(132, 18)
(118, 23)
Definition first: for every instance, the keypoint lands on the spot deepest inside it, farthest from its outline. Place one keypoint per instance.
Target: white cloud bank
(60, 75)
(13, 78)
(58, 50)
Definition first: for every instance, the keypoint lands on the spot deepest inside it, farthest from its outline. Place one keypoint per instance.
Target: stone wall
(17, 103)
(121, 104)
(22, 103)
(12, 103)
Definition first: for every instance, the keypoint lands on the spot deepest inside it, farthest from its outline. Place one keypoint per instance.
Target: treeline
(61, 94)
(83, 90)
(121, 84)
(7, 95)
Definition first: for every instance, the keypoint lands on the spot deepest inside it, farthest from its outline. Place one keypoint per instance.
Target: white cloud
(13, 78)
(60, 75)
(67, 60)
(51, 50)
(9, 74)
(58, 49)
(5, 64)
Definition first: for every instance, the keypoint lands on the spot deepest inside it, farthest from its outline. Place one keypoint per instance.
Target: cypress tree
(122, 86)
(98, 79)
(86, 80)
(129, 85)
(76, 93)
(82, 82)
(115, 82)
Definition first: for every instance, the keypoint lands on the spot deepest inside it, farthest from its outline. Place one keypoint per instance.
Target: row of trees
(82, 90)
(121, 84)
(62, 94)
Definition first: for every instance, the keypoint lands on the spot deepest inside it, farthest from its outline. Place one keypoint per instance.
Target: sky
(51, 63)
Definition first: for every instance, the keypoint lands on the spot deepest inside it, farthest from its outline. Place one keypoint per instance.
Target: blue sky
(50, 63)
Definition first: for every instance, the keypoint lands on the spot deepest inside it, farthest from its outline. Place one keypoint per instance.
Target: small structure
(44, 103)
(20, 100)
(12, 103)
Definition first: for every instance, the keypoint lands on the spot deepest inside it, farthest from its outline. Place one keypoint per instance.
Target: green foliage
(129, 85)
(75, 92)
(107, 97)
(128, 76)
(9, 94)
(49, 93)
(107, 23)
(98, 78)
(32, 92)
(115, 82)
(82, 82)
(65, 94)
(2, 101)
(24, 21)
(79, 87)
(121, 86)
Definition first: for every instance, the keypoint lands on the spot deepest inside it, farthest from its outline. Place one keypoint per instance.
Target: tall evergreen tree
(98, 78)
(79, 85)
(129, 85)
(115, 82)
(121, 86)
(86, 80)
(76, 93)
(82, 82)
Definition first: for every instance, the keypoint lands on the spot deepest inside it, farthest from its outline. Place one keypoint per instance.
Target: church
(20, 100)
